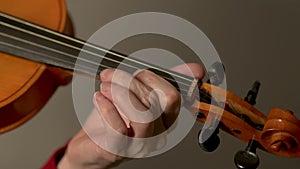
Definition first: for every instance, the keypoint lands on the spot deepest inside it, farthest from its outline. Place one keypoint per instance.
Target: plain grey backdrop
(256, 40)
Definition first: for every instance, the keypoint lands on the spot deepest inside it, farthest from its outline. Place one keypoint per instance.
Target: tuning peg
(247, 159)
(252, 93)
(216, 73)
(208, 139)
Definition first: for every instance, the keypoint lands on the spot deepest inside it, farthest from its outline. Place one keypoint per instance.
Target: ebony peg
(247, 159)
(216, 73)
(208, 138)
(252, 93)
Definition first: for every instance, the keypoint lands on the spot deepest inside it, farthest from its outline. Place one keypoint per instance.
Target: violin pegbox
(278, 133)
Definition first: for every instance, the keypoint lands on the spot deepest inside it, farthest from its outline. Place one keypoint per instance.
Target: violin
(39, 55)
(31, 84)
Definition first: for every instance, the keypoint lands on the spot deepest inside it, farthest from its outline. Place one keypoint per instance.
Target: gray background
(256, 40)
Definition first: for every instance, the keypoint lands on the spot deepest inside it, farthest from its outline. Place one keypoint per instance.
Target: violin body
(26, 85)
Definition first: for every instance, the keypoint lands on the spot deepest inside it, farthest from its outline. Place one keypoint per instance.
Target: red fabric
(54, 159)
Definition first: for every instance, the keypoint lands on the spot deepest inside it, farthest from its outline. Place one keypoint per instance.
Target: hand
(122, 116)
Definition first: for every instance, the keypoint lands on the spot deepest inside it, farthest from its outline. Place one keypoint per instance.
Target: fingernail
(103, 88)
(104, 74)
(96, 99)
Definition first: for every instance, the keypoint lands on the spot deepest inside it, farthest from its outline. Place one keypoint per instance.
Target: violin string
(54, 50)
(44, 55)
(83, 43)
(72, 56)
(41, 54)
(91, 46)
(34, 34)
(68, 62)
(83, 50)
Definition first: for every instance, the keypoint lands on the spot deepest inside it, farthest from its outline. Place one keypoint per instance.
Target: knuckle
(120, 75)
(145, 75)
(145, 97)
(107, 109)
(105, 74)
(118, 93)
(122, 94)
(173, 98)
(105, 87)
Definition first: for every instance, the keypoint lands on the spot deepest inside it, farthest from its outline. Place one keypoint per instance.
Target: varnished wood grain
(280, 132)
(25, 86)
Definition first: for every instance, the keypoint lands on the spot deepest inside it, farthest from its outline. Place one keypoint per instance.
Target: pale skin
(113, 113)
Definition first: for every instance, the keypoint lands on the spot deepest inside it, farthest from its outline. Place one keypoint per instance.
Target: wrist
(64, 163)
(55, 158)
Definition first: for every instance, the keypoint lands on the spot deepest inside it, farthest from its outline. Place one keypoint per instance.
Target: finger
(109, 113)
(130, 106)
(190, 69)
(169, 97)
(127, 80)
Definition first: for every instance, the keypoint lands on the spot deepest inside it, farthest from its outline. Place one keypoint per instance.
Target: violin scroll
(281, 133)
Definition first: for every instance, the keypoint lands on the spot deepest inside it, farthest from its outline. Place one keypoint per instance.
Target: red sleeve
(54, 159)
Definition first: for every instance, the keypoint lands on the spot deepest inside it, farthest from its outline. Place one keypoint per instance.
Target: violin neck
(39, 44)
